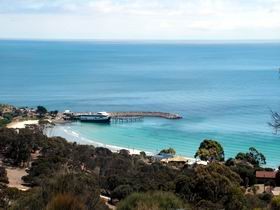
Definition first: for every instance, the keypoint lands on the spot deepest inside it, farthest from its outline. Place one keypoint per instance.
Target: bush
(266, 197)
(121, 191)
(143, 154)
(65, 202)
(246, 172)
(3, 176)
(275, 203)
(80, 187)
(253, 202)
(151, 201)
(215, 183)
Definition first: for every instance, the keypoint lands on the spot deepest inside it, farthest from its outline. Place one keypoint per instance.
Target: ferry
(99, 117)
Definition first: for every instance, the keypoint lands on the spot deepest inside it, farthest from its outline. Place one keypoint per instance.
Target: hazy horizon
(203, 41)
(140, 19)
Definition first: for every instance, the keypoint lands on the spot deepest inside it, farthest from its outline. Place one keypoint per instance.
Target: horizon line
(146, 40)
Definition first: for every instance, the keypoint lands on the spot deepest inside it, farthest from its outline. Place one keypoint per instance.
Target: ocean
(224, 90)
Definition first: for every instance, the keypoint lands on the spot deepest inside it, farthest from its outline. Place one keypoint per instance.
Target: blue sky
(140, 19)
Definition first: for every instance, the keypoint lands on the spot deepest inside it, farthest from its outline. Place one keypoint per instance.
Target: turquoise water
(224, 90)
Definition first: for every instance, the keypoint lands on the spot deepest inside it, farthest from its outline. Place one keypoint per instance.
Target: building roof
(175, 159)
(202, 162)
(266, 174)
(163, 156)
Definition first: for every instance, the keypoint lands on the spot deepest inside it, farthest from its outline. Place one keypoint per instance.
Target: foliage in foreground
(62, 190)
(215, 185)
(152, 201)
(67, 172)
(275, 203)
(65, 201)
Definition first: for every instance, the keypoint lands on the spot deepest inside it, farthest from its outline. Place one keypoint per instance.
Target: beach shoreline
(72, 136)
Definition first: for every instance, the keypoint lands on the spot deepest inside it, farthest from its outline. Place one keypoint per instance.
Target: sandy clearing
(22, 124)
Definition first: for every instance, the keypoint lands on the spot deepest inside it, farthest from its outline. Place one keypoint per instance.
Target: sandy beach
(22, 124)
(72, 136)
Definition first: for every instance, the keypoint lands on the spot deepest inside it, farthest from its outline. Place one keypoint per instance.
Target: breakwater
(165, 115)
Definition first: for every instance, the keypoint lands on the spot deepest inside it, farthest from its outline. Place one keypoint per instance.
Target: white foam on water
(70, 135)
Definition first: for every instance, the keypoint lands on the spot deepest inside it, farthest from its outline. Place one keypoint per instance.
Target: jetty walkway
(126, 119)
(145, 114)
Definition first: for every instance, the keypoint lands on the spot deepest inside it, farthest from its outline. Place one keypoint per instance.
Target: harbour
(115, 117)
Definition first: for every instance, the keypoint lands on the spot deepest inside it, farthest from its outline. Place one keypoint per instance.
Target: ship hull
(107, 120)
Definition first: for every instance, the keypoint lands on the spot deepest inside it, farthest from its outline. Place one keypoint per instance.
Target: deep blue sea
(223, 90)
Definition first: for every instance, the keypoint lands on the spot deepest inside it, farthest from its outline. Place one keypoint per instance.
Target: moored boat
(99, 117)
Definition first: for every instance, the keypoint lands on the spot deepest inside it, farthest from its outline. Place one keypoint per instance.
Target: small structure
(265, 176)
(180, 160)
(162, 156)
(67, 115)
(177, 159)
(68, 112)
(201, 162)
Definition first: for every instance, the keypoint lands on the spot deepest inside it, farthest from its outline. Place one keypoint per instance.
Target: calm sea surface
(224, 91)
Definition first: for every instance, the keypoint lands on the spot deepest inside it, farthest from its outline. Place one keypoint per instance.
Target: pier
(120, 117)
(126, 119)
(165, 115)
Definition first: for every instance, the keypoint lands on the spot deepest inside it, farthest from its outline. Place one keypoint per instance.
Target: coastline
(71, 136)
(61, 129)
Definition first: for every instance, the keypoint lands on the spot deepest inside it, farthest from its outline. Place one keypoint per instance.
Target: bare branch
(275, 122)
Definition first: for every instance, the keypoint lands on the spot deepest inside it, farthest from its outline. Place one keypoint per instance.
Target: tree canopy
(41, 110)
(214, 185)
(253, 156)
(210, 150)
(168, 151)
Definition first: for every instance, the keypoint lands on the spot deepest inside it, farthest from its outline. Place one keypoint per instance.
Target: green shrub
(151, 201)
(121, 191)
(65, 202)
(275, 203)
(3, 176)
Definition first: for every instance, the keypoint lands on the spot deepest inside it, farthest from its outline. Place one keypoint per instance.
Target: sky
(140, 19)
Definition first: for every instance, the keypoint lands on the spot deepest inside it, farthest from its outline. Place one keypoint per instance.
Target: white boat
(99, 117)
